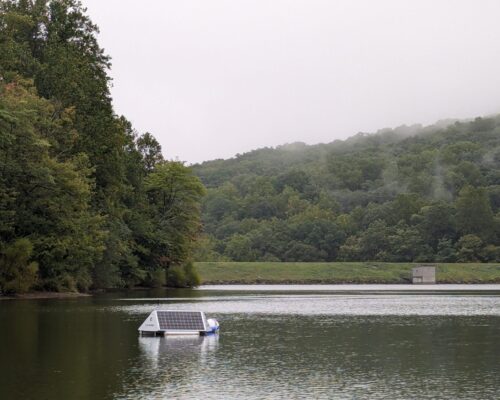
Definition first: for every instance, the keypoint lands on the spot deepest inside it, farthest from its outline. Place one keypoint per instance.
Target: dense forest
(85, 201)
(411, 194)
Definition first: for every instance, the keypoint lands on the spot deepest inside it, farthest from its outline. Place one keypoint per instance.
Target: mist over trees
(411, 194)
(85, 201)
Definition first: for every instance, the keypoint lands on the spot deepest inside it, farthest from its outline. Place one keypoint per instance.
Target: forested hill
(85, 200)
(408, 194)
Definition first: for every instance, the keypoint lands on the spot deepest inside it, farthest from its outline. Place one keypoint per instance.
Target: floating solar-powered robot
(165, 322)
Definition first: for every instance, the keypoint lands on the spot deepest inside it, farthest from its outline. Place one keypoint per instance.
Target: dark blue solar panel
(180, 320)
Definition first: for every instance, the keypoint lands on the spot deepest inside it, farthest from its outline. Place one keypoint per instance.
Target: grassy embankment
(339, 272)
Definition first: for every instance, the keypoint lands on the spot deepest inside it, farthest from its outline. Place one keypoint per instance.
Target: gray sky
(212, 78)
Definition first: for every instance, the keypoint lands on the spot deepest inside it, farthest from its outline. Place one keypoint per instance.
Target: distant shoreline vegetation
(340, 273)
(410, 194)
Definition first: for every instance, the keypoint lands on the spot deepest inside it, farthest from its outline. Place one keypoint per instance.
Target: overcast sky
(212, 78)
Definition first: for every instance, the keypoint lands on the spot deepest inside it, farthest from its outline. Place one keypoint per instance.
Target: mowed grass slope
(339, 272)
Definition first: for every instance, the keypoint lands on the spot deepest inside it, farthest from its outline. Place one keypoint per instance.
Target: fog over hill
(412, 193)
(224, 77)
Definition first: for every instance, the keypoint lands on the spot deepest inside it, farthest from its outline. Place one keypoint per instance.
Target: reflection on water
(352, 288)
(321, 304)
(324, 357)
(169, 365)
(176, 348)
(273, 344)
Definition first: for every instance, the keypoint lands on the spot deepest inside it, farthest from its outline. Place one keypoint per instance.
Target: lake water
(276, 342)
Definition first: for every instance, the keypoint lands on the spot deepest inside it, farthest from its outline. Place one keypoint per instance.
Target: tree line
(86, 202)
(410, 194)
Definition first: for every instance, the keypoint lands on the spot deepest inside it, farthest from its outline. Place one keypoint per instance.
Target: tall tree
(174, 195)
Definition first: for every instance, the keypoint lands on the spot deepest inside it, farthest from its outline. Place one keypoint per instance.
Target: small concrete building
(424, 274)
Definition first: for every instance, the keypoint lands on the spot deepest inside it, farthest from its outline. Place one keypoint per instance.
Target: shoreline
(309, 273)
(343, 282)
(75, 295)
(46, 295)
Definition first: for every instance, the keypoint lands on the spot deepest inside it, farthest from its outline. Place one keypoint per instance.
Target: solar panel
(181, 320)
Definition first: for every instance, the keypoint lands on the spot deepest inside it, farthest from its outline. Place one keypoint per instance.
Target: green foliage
(410, 194)
(446, 251)
(17, 273)
(474, 214)
(150, 149)
(174, 195)
(157, 278)
(206, 249)
(50, 195)
(183, 276)
(239, 248)
(469, 248)
(193, 279)
(176, 277)
(99, 205)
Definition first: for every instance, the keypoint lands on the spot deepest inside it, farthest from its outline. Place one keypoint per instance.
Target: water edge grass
(339, 272)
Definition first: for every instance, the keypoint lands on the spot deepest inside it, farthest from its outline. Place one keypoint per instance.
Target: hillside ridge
(408, 194)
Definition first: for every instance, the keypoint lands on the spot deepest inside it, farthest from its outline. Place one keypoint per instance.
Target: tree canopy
(406, 194)
(85, 201)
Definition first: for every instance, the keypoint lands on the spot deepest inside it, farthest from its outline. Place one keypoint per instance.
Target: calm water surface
(276, 342)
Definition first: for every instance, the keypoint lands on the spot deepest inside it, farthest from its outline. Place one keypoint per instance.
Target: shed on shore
(424, 274)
